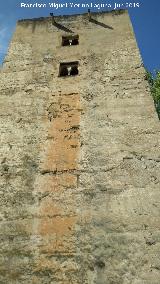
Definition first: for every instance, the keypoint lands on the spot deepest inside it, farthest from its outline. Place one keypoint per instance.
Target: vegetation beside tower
(154, 83)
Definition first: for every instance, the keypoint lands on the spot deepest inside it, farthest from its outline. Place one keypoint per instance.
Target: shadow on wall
(61, 27)
(100, 24)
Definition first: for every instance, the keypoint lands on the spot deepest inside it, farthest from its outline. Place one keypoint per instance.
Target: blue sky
(145, 21)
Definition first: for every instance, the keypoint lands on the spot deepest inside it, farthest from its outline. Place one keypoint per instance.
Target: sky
(145, 20)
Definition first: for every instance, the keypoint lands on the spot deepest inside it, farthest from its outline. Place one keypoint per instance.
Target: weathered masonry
(80, 159)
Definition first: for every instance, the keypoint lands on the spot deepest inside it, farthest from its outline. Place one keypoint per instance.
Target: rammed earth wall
(80, 160)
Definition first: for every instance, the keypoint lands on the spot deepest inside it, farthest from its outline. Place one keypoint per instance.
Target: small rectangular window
(68, 69)
(70, 40)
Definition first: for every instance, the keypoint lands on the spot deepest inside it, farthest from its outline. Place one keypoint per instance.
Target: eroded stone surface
(80, 157)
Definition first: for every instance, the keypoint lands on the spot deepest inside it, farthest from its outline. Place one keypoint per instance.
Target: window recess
(70, 40)
(68, 69)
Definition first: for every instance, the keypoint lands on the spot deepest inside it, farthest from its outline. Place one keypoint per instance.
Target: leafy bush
(154, 83)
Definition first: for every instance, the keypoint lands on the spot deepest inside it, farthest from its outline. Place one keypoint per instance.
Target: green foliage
(149, 78)
(154, 83)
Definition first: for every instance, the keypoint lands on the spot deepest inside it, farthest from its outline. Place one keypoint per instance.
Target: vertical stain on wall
(62, 151)
(56, 186)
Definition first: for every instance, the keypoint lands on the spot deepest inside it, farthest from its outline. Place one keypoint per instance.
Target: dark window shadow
(100, 24)
(70, 40)
(68, 69)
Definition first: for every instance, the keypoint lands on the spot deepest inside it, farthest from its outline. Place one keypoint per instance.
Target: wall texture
(80, 159)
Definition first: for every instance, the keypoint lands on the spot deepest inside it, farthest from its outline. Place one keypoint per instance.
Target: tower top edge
(111, 12)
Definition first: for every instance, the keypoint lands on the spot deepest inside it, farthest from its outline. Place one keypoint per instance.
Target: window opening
(68, 69)
(70, 40)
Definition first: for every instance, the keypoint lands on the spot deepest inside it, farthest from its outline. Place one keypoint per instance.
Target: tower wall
(80, 157)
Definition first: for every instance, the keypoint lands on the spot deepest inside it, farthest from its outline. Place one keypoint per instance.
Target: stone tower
(80, 160)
